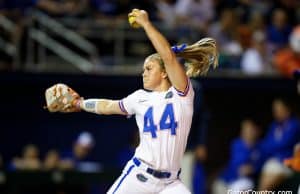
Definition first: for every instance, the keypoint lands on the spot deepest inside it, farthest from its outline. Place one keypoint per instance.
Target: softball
(132, 22)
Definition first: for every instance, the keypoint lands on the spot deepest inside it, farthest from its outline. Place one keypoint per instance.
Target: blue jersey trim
(123, 178)
(122, 107)
(186, 90)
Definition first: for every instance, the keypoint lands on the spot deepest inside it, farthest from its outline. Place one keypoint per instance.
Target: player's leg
(176, 187)
(134, 181)
(118, 183)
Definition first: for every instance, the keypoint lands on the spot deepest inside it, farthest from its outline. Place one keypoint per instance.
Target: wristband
(90, 105)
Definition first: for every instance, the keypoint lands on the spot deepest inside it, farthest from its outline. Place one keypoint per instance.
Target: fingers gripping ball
(61, 98)
(132, 22)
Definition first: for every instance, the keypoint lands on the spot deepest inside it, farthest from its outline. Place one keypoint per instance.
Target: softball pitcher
(163, 111)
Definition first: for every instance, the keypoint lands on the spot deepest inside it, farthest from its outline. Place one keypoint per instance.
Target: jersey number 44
(167, 121)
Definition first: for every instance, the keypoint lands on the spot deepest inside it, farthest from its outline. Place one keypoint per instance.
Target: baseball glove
(61, 98)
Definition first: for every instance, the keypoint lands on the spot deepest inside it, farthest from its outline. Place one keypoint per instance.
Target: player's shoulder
(141, 93)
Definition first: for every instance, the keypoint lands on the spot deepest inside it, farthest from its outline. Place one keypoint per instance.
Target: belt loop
(136, 161)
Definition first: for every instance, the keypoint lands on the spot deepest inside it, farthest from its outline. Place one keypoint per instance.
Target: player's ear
(164, 74)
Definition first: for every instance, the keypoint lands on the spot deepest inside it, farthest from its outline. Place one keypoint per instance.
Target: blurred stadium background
(89, 45)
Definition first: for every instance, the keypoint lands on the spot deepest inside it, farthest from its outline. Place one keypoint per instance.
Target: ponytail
(199, 57)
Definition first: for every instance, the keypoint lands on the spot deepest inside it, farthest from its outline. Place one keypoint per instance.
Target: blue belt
(155, 173)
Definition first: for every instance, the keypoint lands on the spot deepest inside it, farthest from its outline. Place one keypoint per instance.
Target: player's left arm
(174, 69)
(62, 98)
(101, 106)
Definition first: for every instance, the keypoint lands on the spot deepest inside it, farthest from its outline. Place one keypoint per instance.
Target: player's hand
(141, 16)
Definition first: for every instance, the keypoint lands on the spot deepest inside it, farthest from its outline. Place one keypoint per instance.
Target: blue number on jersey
(167, 121)
(171, 123)
(149, 125)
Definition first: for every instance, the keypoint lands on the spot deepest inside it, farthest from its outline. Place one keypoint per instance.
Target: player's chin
(146, 86)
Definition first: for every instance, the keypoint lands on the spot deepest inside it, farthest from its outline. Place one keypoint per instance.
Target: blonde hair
(199, 57)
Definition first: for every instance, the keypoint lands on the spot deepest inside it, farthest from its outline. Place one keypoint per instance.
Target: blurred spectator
(227, 23)
(245, 8)
(242, 8)
(291, 7)
(261, 6)
(225, 33)
(257, 22)
(282, 136)
(78, 157)
(287, 60)
(294, 162)
(103, 8)
(279, 30)
(166, 12)
(199, 173)
(245, 161)
(29, 160)
(194, 14)
(256, 59)
(52, 160)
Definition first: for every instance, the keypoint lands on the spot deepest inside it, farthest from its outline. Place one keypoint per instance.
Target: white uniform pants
(135, 180)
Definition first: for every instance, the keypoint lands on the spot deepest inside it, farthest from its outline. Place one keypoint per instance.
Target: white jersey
(164, 120)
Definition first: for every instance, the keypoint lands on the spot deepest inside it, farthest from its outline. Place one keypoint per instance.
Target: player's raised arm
(175, 71)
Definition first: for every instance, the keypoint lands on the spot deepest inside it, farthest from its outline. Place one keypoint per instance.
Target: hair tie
(178, 49)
